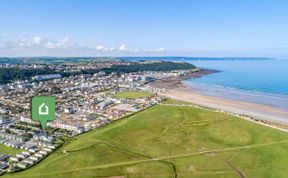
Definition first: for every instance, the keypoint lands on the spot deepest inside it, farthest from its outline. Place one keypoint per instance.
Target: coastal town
(84, 102)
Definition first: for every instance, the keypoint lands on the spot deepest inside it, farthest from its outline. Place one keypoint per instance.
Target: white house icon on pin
(43, 109)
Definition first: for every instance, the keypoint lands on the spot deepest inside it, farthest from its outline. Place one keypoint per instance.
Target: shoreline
(260, 113)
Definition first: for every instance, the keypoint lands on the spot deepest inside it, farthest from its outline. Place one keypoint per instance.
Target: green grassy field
(132, 94)
(171, 141)
(176, 102)
(8, 150)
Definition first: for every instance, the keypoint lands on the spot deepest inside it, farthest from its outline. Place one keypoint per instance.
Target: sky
(217, 28)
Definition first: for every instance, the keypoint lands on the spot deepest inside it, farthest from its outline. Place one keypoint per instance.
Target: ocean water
(257, 81)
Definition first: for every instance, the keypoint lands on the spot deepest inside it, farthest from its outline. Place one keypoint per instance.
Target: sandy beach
(175, 89)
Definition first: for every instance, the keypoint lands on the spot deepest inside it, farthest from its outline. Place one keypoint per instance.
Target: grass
(165, 141)
(176, 102)
(133, 94)
(9, 150)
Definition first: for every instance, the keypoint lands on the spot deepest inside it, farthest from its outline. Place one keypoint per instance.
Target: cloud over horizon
(39, 46)
(67, 47)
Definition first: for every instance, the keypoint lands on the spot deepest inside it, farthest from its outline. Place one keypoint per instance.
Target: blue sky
(144, 27)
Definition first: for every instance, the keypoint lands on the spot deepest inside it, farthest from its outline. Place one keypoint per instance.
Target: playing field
(132, 94)
(171, 141)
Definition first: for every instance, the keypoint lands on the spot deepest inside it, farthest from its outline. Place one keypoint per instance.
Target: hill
(153, 66)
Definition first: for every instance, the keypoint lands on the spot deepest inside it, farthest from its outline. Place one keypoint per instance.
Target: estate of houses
(84, 102)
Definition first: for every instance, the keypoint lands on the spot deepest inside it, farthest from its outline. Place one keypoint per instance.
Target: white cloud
(123, 48)
(36, 40)
(99, 47)
(40, 43)
(111, 49)
(65, 43)
(64, 46)
(103, 48)
(50, 45)
(154, 50)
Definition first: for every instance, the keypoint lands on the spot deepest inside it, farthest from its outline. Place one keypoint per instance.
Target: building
(46, 77)
(23, 165)
(21, 156)
(3, 166)
(4, 157)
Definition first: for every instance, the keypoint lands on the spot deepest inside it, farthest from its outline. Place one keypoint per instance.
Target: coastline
(260, 113)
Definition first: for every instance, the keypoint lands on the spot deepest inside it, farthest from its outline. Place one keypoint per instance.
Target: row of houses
(31, 157)
(11, 136)
(4, 162)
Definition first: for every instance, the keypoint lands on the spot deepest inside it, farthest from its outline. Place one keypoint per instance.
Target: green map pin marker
(43, 109)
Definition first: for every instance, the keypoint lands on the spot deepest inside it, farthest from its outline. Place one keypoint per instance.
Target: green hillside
(171, 141)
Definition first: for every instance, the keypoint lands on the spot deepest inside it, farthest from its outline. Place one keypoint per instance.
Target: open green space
(175, 102)
(171, 141)
(9, 150)
(133, 94)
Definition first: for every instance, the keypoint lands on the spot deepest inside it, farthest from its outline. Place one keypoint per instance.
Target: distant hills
(54, 60)
(171, 58)
(67, 60)
(10, 74)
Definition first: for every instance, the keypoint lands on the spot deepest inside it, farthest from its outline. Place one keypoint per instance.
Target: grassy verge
(176, 102)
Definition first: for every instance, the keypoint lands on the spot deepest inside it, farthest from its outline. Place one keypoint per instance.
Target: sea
(261, 81)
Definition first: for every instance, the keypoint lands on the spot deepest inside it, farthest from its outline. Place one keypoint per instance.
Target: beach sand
(175, 89)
